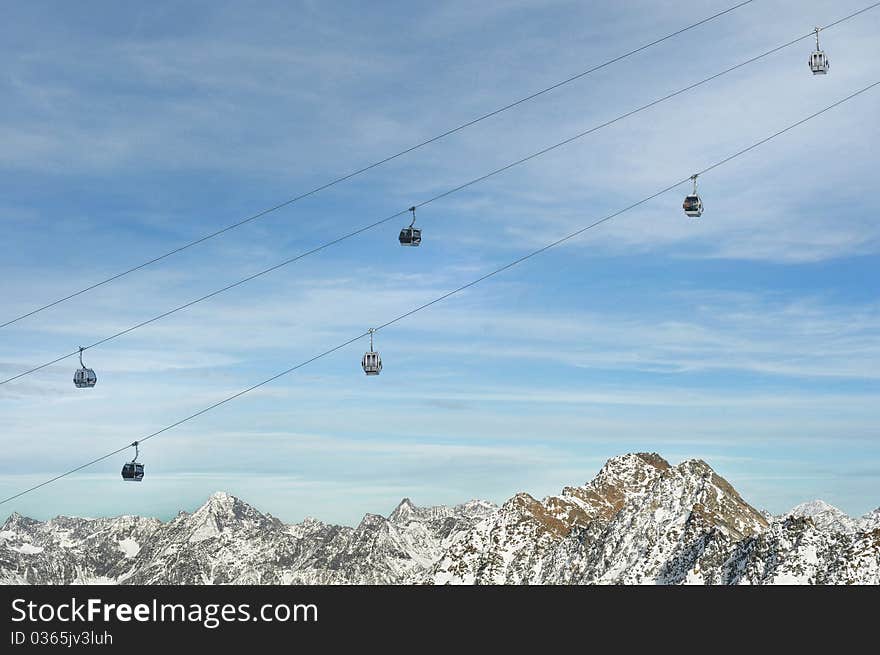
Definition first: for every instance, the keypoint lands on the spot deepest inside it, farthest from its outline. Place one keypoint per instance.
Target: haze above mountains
(639, 521)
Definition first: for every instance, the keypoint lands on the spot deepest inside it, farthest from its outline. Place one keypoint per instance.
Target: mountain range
(641, 520)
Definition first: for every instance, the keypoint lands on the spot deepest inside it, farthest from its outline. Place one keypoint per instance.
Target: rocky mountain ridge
(641, 520)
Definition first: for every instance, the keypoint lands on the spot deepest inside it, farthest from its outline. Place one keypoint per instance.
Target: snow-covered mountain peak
(617, 482)
(640, 520)
(16, 522)
(870, 521)
(407, 512)
(403, 512)
(633, 522)
(696, 467)
(824, 516)
(719, 504)
(814, 507)
(222, 503)
(483, 507)
(523, 507)
(371, 522)
(224, 515)
(633, 468)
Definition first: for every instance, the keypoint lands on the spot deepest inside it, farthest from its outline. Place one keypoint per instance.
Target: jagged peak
(221, 497)
(641, 481)
(826, 516)
(404, 510)
(521, 499)
(222, 515)
(619, 479)
(870, 521)
(653, 459)
(225, 506)
(696, 464)
(698, 468)
(871, 517)
(815, 507)
(17, 520)
(407, 511)
(476, 505)
(524, 502)
(632, 466)
(224, 499)
(371, 521)
(524, 505)
(477, 502)
(218, 502)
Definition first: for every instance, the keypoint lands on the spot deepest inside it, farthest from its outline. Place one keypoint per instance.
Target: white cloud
(138, 143)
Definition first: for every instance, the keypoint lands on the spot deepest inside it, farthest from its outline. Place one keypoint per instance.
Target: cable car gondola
(84, 378)
(411, 236)
(372, 362)
(133, 471)
(692, 205)
(818, 61)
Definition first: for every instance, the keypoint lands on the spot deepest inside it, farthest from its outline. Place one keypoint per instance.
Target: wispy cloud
(742, 337)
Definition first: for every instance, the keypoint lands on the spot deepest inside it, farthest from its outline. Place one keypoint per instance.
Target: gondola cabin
(410, 236)
(819, 63)
(372, 363)
(693, 206)
(84, 378)
(132, 472)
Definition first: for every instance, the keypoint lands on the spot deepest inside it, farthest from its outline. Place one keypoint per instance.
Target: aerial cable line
(448, 294)
(439, 196)
(373, 165)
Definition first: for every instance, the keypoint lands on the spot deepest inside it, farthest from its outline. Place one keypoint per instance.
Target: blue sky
(749, 338)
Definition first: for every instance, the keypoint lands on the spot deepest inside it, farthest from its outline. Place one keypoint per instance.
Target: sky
(748, 338)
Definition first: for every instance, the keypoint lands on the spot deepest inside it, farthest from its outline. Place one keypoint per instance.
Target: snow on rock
(504, 548)
(68, 550)
(643, 521)
(796, 551)
(521, 543)
(227, 541)
(824, 516)
(870, 521)
(130, 547)
(640, 520)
